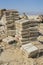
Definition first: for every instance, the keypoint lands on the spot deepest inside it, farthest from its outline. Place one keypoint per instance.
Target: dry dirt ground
(13, 56)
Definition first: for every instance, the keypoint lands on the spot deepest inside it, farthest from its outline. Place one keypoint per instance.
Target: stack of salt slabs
(34, 33)
(11, 16)
(40, 38)
(26, 30)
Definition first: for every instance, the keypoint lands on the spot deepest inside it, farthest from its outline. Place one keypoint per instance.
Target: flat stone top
(29, 47)
(29, 20)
